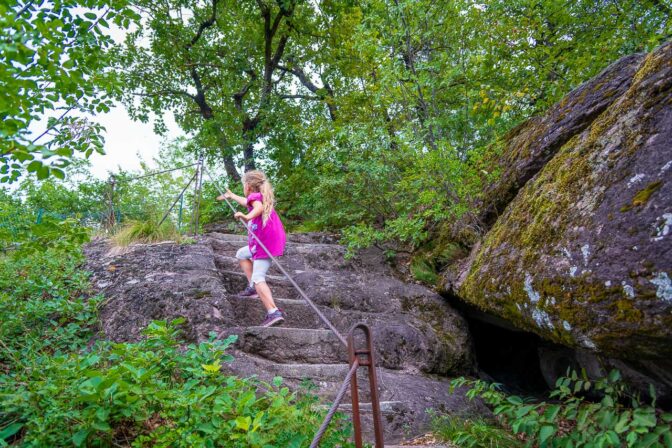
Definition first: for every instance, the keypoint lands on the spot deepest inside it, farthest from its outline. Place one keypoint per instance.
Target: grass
(472, 432)
(423, 271)
(146, 232)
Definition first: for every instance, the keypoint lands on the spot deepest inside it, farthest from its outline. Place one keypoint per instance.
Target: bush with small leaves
(619, 418)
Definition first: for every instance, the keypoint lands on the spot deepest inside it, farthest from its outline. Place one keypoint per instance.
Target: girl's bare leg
(265, 295)
(247, 269)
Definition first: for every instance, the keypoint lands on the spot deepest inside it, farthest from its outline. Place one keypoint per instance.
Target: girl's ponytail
(258, 182)
(266, 191)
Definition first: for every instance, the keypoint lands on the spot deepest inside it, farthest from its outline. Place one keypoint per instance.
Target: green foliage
(423, 271)
(79, 194)
(421, 90)
(154, 393)
(53, 64)
(146, 232)
(472, 432)
(20, 232)
(619, 418)
(43, 306)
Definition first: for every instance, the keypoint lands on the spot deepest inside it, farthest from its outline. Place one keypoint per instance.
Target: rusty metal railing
(354, 355)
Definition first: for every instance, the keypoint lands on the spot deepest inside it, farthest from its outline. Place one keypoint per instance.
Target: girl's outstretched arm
(229, 195)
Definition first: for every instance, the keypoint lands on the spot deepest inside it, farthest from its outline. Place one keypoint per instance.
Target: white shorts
(259, 267)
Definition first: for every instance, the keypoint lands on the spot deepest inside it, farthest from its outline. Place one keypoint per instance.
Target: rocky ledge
(419, 339)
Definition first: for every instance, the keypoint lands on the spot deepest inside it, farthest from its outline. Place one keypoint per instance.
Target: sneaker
(275, 318)
(249, 292)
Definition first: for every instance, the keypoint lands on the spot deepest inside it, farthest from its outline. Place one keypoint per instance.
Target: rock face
(581, 252)
(416, 334)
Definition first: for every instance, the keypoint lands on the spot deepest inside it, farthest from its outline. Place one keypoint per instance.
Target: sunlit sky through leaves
(125, 139)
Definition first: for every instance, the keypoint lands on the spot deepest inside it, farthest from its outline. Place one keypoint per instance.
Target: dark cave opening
(507, 355)
(525, 364)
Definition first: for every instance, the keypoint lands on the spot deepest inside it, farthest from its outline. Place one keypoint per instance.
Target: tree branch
(58, 120)
(206, 24)
(310, 85)
(20, 13)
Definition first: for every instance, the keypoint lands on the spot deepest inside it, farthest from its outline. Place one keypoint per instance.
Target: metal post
(177, 198)
(368, 360)
(40, 212)
(197, 197)
(354, 394)
(179, 215)
(111, 216)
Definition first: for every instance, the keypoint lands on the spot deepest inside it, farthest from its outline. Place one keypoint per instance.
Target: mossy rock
(582, 254)
(527, 148)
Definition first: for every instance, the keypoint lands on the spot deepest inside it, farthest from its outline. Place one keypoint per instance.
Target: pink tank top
(272, 235)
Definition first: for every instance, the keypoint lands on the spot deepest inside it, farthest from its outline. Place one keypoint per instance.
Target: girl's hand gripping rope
(227, 195)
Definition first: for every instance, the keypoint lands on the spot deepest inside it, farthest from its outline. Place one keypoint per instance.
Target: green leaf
(613, 438)
(645, 417)
(22, 156)
(243, 423)
(34, 166)
(648, 440)
(90, 16)
(42, 172)
(10, 430)
(551, 412)
(80, 437)
(667, 440)
(622, 424)
(545, 432)
(58, 173)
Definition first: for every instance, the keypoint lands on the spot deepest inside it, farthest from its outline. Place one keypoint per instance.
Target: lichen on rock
(581, 255)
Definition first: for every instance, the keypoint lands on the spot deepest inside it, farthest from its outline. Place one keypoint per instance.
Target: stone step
(397, 418)
(292, 345)
(324, 380)
(250, 312)
(405, 396)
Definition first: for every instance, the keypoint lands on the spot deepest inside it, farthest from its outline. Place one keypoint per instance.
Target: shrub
(153, 393)
(472, 433)
(620, 418)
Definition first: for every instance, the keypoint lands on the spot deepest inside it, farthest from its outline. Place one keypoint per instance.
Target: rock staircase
(418, 338)
(304, 350)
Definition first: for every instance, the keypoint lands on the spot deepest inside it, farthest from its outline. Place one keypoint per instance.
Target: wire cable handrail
(156, 173)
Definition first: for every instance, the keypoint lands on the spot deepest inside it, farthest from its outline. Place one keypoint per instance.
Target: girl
(265, 223)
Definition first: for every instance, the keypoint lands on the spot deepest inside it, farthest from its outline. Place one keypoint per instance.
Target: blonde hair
(258, 183)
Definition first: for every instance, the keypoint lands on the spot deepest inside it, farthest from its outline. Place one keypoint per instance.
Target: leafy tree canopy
(53, 65)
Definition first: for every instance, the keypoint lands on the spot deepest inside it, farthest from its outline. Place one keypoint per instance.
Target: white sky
(125, 139)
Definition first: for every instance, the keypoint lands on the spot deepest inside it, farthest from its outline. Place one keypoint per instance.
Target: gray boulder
(581, 255)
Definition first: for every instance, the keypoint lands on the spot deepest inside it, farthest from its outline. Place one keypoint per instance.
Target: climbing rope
(335, 405)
